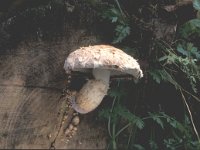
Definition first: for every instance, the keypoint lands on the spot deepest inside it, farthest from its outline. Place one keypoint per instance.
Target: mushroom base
(90, 96)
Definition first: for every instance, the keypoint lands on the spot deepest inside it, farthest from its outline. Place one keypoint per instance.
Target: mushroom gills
(93, 92)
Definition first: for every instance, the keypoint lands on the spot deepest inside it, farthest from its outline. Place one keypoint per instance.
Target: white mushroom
(104, 61)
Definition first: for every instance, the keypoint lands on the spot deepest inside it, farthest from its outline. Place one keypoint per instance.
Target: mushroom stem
(102, 74)
(93, 92)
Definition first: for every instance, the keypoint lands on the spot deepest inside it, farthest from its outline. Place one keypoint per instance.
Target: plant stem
(123, 128)
(129, 138)
(191, 94)
(114, 144)
(109, 119)
(113, 104)
(114, 137)
(109, 127)
(118, 5)
(150, 117)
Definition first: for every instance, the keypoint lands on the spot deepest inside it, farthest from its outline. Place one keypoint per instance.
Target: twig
(178, 4)
(196, 98)
(191, 117)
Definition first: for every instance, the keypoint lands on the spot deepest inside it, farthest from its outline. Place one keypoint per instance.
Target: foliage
(196, 4)
(172, 63)
(162, 75)
(185, 61)
(122, 29)
(190, 28)
(181, 137)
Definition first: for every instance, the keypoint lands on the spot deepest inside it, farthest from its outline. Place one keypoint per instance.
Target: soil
(31, 82)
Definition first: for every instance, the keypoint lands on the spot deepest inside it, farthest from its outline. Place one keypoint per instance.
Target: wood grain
(31, 81)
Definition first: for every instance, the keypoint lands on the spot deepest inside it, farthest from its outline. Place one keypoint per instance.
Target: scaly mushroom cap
(102, 57)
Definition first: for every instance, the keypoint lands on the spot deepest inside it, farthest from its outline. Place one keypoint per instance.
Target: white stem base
(90, 96)
(93, 92)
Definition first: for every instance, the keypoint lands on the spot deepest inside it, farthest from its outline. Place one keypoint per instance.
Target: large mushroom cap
(102, 57)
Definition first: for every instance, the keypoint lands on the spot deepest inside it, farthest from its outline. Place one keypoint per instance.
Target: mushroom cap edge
(102, 57)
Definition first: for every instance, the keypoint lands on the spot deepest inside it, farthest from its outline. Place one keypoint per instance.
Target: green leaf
(157, 119)
(170, 143)
(138, 147)
(114, 19)
(163, 58)
(139, 123)
(173, 123)
(105, 113)
(111, 14)
(190, 27)
(122, 31)
(159, 75)
(153, 145)
(116, 93)
(181, 50)
(196, 4)
(126, 114)
(195, 52)
(155, 75)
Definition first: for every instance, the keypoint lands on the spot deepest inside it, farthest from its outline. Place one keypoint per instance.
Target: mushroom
(102, 61)
(75, 121)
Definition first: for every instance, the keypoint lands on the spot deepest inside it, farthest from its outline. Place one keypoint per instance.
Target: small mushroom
(75, 121)
(65, 117)
(70, 127)
(102, 61)
(75, 129)
(67, 131)
(49, 136)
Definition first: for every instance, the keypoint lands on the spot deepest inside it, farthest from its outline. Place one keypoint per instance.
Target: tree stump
(31, 82)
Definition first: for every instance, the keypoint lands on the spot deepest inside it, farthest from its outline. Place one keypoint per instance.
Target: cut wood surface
(31, 82)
